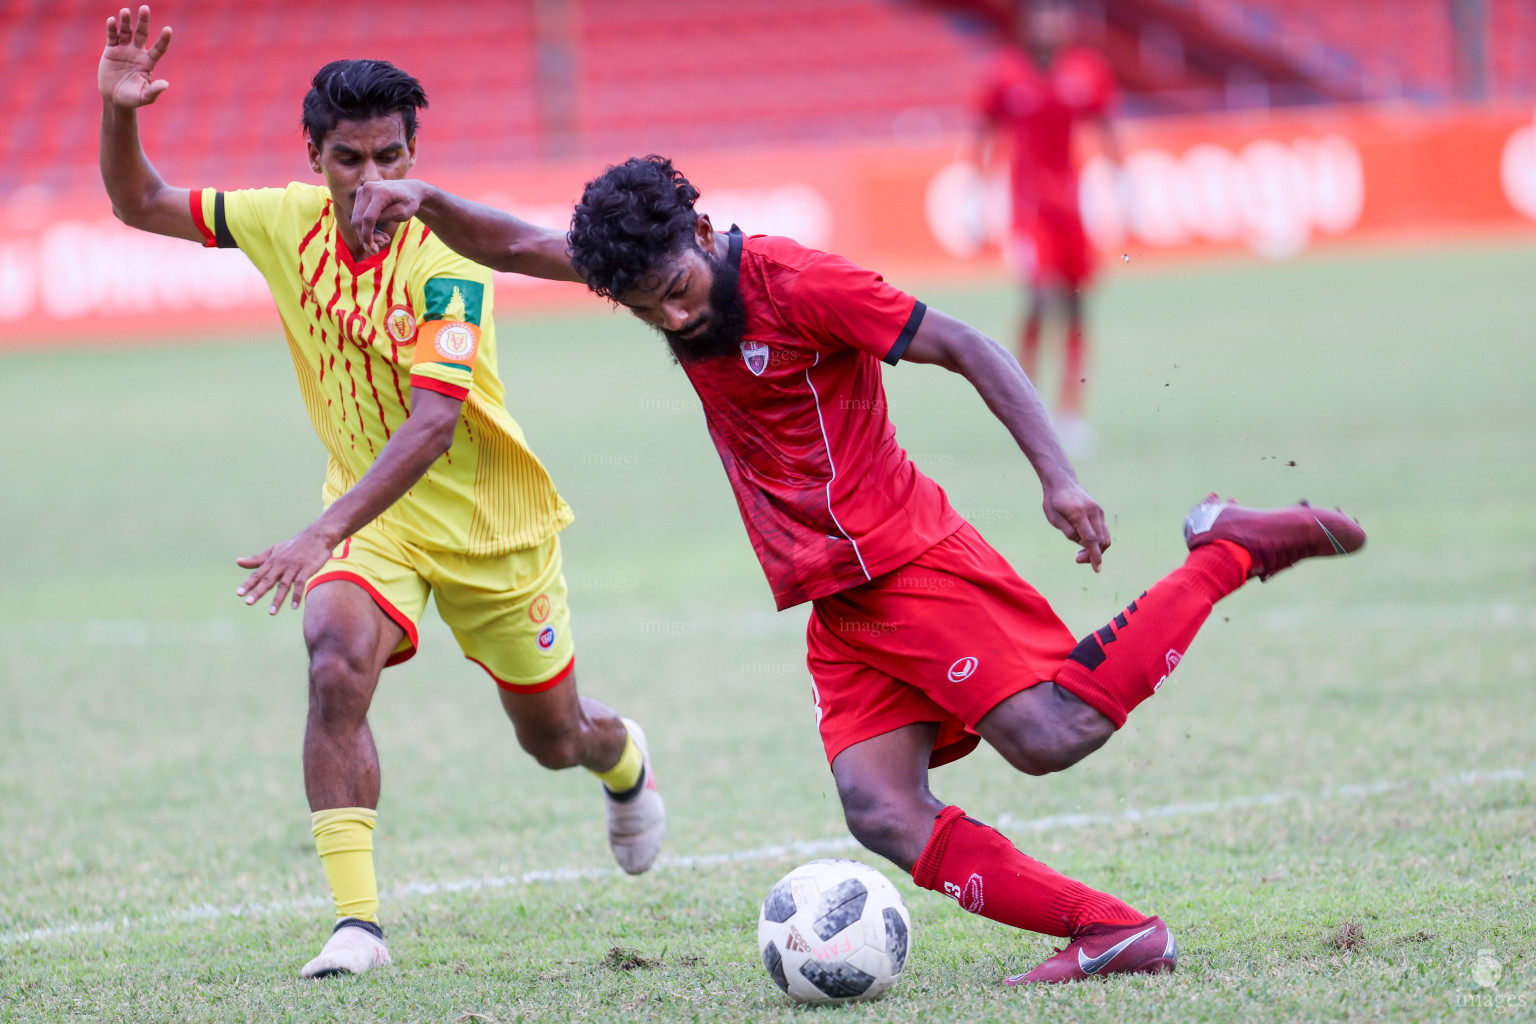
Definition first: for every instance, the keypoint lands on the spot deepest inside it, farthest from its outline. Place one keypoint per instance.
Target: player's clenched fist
(382, 203)
(127, 64)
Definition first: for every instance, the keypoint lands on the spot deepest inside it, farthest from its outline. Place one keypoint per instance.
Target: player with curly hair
(922, 640)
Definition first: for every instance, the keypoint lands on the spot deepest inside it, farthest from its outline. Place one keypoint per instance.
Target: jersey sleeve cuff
(216, 235)
(440, 386)
(908, 332)
(209, 240)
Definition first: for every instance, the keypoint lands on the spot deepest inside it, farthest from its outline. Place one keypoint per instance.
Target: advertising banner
(1269, 186)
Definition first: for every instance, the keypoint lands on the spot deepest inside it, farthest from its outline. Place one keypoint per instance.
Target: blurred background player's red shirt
(1038, 108)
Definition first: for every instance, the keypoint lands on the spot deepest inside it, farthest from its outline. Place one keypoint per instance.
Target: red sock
(1123, 664)
(1029, 347)
(987, 875)
(1071, 400)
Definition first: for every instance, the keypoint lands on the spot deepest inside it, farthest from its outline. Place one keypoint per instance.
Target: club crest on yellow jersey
(400, 322)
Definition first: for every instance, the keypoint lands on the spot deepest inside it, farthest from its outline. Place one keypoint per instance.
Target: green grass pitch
(1331, 802)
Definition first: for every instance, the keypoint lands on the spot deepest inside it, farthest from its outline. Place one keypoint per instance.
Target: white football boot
(636, 823)
(354, 947)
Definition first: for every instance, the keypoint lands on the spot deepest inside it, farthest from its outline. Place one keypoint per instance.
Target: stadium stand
(513, 81)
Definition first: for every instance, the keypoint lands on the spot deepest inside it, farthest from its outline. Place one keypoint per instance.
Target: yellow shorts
(508, 612)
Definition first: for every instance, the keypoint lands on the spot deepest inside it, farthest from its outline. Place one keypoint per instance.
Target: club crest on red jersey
(755, 355)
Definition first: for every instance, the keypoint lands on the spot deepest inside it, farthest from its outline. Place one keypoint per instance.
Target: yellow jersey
(362, 334)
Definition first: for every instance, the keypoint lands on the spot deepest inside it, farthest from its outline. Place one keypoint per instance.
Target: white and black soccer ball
(834, 931)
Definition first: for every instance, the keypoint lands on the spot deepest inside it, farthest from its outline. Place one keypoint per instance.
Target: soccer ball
(834, 931)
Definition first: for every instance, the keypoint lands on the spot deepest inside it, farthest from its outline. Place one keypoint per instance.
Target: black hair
(630, 219)
(356, 90)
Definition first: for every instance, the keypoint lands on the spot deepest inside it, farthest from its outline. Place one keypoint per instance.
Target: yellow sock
(626, 774)
(344, 838)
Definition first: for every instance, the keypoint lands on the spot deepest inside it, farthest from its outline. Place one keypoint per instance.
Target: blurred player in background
(1035, 96)
(922, 639)
(430, 487)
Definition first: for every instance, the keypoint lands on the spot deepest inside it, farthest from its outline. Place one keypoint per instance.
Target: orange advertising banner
(1274, 185)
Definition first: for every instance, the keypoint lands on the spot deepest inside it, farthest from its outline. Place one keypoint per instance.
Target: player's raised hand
(1073, 511)
(380, 204)
(284, 569)
(125, 75)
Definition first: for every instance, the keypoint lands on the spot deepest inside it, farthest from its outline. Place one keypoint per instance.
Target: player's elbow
(432, 433)
(439, 436)
(965, 351)
(130, 214)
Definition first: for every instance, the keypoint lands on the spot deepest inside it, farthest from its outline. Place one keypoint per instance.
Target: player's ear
(410, 152)
(704, 232)
(314, 155)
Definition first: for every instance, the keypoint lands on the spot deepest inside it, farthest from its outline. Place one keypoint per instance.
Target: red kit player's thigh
(855, 702)
(956, 623)
(1062, 247)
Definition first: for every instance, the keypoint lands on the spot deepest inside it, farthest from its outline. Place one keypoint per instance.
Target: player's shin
(1117, 667)
(987, 875)
(344, 840)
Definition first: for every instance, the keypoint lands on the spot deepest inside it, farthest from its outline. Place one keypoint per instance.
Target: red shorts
(1053, 248)
(945, 638)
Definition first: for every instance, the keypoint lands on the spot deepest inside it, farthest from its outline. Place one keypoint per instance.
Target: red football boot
(1276, 538)
(1146, 947)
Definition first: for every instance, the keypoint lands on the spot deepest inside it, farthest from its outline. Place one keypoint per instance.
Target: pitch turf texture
(1331, 802)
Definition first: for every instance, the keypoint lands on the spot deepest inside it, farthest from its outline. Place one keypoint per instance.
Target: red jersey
(829, 499)
(1038, 108)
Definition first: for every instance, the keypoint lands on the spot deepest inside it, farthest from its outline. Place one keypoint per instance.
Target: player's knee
(1031, 758)
(878, 819)
(1044, 751)
(339, 683)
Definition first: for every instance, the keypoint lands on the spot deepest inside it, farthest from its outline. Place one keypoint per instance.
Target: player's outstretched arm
(284, 568)
(996, 376)
(140, 198)
(482, 233)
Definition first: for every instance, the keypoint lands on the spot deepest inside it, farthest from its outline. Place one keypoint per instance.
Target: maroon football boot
(1146, 947)
(1276, 538)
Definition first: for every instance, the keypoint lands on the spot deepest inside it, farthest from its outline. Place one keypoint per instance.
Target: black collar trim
(733, 255)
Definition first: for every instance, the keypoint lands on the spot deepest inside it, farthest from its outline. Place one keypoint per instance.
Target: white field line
(782, 851)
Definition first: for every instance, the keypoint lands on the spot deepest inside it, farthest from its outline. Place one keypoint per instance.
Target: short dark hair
(356, 90)
(630, 219)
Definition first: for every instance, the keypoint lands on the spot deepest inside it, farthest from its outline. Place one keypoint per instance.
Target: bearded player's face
(357, 151)
(693, 300)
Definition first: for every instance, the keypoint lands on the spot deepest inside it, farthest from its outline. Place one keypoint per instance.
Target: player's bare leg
(562, 729)
(349, 640)
(1044, 729)
(883, 783)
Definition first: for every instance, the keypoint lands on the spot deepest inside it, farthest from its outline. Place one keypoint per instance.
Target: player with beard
(922, 639)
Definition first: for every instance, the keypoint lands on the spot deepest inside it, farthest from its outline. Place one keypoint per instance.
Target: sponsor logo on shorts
(963, 669)
(538, 608)
(400, 323)
(546, 638)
